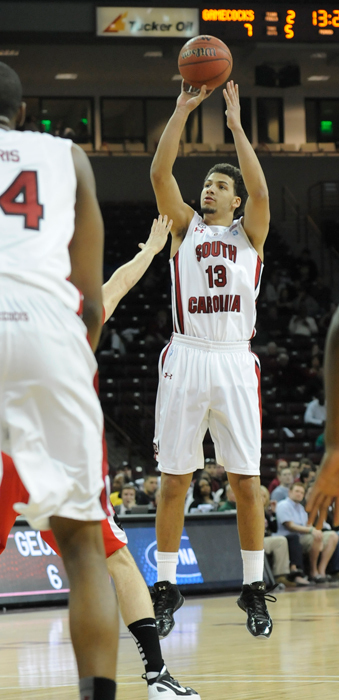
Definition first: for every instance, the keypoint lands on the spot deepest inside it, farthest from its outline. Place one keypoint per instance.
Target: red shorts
(13, 491)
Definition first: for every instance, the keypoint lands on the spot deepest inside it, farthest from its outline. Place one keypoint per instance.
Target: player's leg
(181, 423)
(330, 541)
(93, 612)
(137, 613)
(235, 426)
(54, 423)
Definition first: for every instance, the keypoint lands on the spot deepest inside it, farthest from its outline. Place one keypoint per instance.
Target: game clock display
(285, 23)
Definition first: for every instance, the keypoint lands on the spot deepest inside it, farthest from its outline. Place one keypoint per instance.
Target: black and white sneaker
(253, 601)
(166, 599)
(164, 686)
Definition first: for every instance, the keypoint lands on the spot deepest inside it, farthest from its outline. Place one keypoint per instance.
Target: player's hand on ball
(191, 97)
(231, 95)
(159, 234)
(325, 490)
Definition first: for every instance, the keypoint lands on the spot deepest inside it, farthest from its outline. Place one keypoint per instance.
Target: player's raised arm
(326, 487)
(129, 274)
(257, 213)
(87, 245)
(165, 186)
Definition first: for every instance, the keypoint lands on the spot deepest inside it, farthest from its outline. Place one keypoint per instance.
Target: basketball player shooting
(208, 376)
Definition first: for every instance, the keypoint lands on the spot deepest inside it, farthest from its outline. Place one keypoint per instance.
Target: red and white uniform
(13, 490)
(208, 377)
(50, 418)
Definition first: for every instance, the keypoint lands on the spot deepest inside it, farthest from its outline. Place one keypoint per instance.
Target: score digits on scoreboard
(307, 22)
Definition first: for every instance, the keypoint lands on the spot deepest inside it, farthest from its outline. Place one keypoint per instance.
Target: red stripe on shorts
(258, 373)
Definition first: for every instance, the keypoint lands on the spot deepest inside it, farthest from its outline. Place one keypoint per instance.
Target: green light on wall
(47, 124)
(326, 127)
(84, 121)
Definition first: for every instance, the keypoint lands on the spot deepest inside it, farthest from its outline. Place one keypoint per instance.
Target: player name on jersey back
(215, 282)
(37, 199)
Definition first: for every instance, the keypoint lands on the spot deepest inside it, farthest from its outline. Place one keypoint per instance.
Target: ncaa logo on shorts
(188, 568)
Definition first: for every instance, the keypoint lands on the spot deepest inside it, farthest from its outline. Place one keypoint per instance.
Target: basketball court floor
(209, 649)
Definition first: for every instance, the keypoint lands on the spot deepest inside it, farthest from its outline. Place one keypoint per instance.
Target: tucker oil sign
(147, 21)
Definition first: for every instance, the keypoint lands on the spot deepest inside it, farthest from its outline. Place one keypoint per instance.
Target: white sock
(253, 566)
(167, 566)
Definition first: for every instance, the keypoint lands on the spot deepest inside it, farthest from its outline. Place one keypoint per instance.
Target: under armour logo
(169, 376)
(161, 588)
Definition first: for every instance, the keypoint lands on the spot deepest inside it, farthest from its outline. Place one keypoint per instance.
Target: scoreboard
(270, 23)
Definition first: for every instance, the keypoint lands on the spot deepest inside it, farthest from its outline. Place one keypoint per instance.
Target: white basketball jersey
(37, 198)
(216, 277)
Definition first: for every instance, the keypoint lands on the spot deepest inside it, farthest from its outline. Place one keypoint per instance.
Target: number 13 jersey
(37, 199)
(216, 277)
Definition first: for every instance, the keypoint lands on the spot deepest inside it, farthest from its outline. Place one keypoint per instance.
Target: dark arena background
(106, 76)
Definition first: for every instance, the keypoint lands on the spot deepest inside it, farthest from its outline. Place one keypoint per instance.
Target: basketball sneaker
(164, 686)
(253, 601)
(166, 599)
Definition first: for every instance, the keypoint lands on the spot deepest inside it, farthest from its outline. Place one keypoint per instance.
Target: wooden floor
(209, 649)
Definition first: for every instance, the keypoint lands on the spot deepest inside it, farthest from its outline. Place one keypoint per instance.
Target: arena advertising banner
(30, 571)
(147, 21)
(143, 545)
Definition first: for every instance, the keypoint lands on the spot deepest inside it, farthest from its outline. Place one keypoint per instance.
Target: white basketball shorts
(50, 417)
(208, 385)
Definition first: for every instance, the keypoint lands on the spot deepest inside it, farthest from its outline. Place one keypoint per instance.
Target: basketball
(205, 60)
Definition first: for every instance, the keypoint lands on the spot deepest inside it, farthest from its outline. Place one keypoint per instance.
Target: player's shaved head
(10, 91)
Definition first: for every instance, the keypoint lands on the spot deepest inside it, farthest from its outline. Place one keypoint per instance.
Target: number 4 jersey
(37, 199)
(216, 277)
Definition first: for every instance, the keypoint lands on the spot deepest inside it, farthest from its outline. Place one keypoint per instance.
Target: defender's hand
(191, 97)
(158, 235)
(231, 95)
(325, 490)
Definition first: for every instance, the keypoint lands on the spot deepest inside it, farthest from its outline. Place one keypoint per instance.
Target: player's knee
(246, 488)
(174, 486)
(77, 540)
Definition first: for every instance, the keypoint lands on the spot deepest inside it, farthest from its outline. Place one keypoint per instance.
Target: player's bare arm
(168, 195)
(129, 274)
(256, 214)
(87, 245)
(326, 488)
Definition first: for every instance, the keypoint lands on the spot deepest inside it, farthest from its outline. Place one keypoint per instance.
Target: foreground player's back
(37, 198)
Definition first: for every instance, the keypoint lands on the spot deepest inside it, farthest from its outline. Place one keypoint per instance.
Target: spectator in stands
(146, 495)
(292, 517)
(315, 413)
(287, 377)
(273, 323)
(305, 268)
(308, 475)
(277, 546)
(321, 293)
(159, 329)
(326, 319)
(305, 300)
(302, 325)
(202, 497)
(280, 464)
(284, 303)
(128, 492)
(269, 359)
(313, 377)
(117, 484)
(212, 468)
(229, 503)
(285, 480)
(272, 289)
(295, 469)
